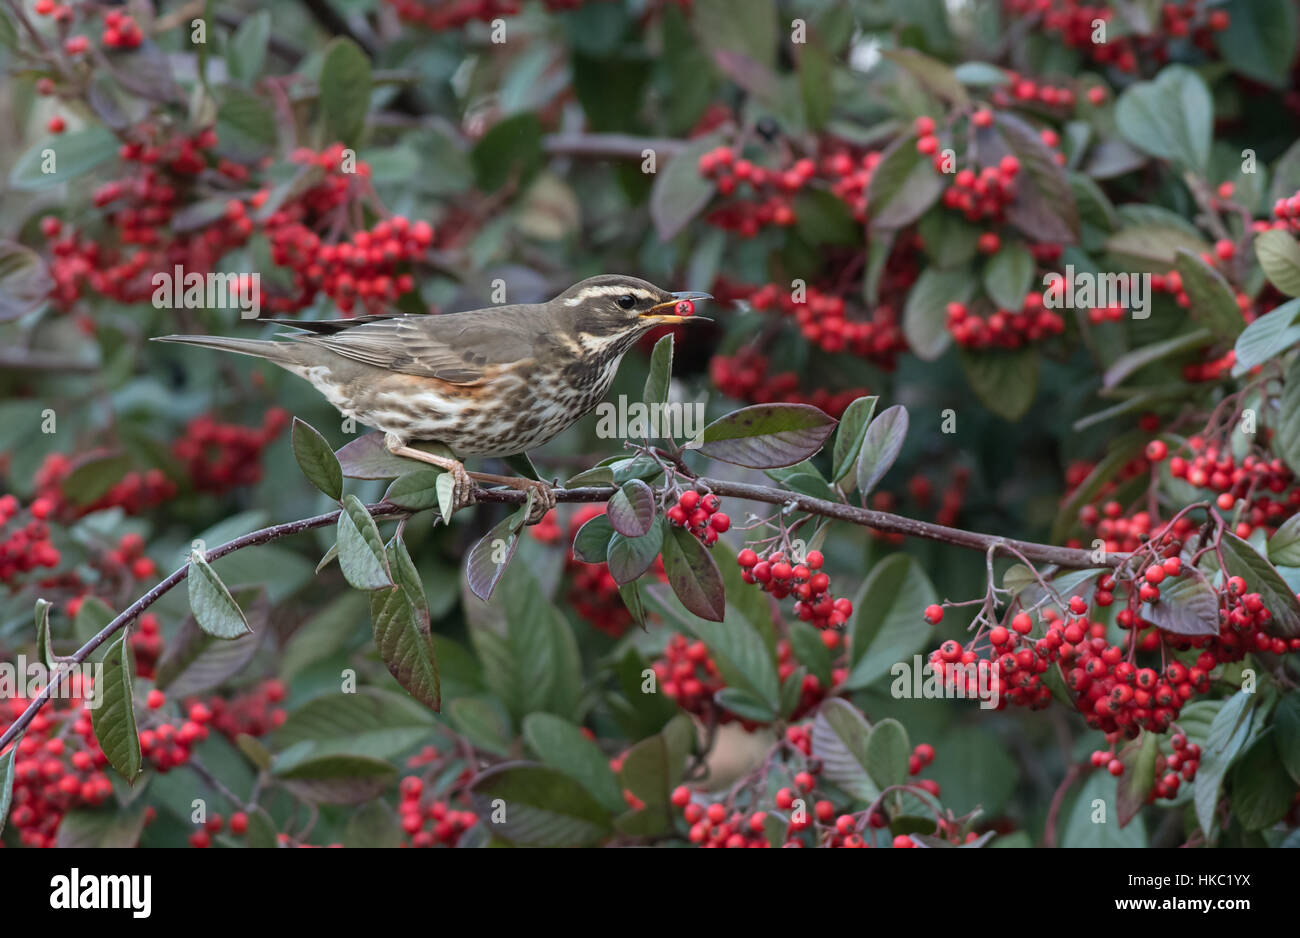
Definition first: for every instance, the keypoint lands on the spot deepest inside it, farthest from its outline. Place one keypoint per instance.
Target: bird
(490, 382)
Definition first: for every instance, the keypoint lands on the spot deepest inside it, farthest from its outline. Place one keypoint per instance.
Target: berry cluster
(254, 712)
(984, 196)
(782, 577)
(1004, 328)
(220, 456)
(120, 31)
(1286, 211)
(435, 824)
(744, 377)
(1263, 489)
(822, 320)
(1170, 771)
(699, 514)
(134, 493)
(453, 14)
(770, 190)
(25, 546)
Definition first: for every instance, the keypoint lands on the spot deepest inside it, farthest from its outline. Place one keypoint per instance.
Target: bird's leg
(544, 500)
(462, 490)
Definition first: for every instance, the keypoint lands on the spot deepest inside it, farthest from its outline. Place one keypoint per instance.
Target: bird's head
(617, 305)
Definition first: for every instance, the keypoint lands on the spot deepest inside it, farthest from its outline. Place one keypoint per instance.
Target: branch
(879, 520)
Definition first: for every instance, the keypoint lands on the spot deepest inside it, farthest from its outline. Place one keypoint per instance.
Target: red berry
(934, 614)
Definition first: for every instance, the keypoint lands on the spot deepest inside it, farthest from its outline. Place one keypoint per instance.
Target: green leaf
(510, 150)
(214, 608)
(629, 557)
(344, 90)
(654, 766)
(767, 436)
(736, 26)
(487, 560)
(246, 55)
(7, 776)
(903, 185)
(537, 806)
(1139, 760)
(1260, 40)
(400, 621)
(66, 156)
(848, 439)
(931, 73)
(591, 543)
(1152, 247)
(83, 829)
(887, 624)
(1044, 208)
(1286, 734)
(44, 652)
(840, 736)
(680, 192)
(415, 491)
(1186, 607)
(1244, 561)
(113, 717)
(94, 476)
(1284, 545)
(245, 125)
(888, 751)
(1228, 734)
(811, 651)
(194, 662)
(1008, 275)
(693, 575)
(1134, 361)
(316, 459)
(1261, 788)
(1267, 337)
(374, 826)
(444, 488)
(1287, 439)
(370, 722)
(925, 314)
(1213, 302)
(1170, 118)
(562, 745)
(880, 447)
(1279, 256)
(661, 372)
(631, 510)
(361, 550)
(1099, 794)
(1006, 381)
(331, 778)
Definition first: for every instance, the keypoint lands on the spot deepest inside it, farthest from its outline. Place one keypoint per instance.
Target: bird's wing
(456, 347)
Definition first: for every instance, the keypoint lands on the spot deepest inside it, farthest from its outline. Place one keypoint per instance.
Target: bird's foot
(544, 494)
(463, 489)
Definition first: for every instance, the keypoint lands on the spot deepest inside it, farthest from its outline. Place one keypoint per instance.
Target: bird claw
(544, 500)
(463, 488)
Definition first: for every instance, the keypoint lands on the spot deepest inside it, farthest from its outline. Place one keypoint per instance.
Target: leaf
(880, 447)
(1170, 118)
(81, 829)
(1260, 40)
(1286, 734)
(925, 314)
(1080, 831)
(1008, 275)
(1134, 361)
(1139, 760)
(400, 621)
(562, 745)
(94, 476)
(316, 459)
(245, 125)
(1286, 441)
(629, 557)
(367, 457)
(1228, 734)
(840, 736)
(848, 438)
(113, 716)
(361, 550)
(591, 543)
(1244, 561)
(693, 575)
(811, 651)
(767, 436)
(661, 372)
(1152, 247)
(1279, 256)
(887, 624)
(44, 652)
(654, 766)
(1117, 456)
(1261, 788)
(7, 777)
(1044, 207)
(903, 185)
(1006, 381)
(1267, 337)
(374, 826)
(931, 73)
(415, 491)
(487, 560)
(370, 722)
(888, 751)
(1212, 301)
(538, 806)
(680, 192)
(214, 608)
(1186, 607)
(25, 281)
(631, 510)
(68, 156)
(194, 662)
(344, 90)
(444, 487)
(246, 54)
(333, 778)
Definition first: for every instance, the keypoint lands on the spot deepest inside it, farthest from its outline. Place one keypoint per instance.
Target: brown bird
(486, 382)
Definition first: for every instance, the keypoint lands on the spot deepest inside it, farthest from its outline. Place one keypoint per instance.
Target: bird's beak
(670, 304)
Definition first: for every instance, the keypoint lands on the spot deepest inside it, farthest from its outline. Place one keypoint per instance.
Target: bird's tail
(282, 353)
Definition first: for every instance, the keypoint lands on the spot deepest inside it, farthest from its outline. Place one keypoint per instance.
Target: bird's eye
(627, 301)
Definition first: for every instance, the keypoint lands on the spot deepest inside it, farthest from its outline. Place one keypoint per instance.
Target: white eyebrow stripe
(610, 290)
